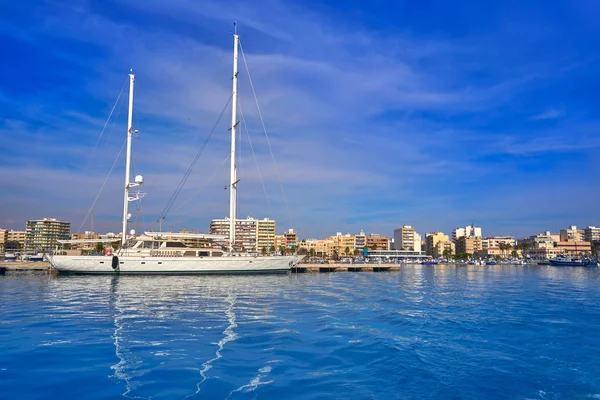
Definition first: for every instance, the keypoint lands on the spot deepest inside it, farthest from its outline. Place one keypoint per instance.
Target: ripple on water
(422, 332)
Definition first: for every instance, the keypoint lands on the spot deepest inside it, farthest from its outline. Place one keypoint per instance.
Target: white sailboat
(157, 253)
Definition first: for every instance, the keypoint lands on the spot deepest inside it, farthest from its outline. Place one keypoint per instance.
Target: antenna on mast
(235, 27)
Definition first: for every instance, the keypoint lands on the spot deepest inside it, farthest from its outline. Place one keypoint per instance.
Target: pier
(372, 267)
(22, 266)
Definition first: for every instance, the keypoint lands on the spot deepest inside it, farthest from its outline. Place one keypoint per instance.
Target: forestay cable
(171, 201)
(266, 135)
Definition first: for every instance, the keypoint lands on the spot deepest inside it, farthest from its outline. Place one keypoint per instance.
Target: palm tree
(347, 251)
(502, 247)
(263, 251)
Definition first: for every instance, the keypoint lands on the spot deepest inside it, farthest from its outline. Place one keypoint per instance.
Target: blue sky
(434, 114)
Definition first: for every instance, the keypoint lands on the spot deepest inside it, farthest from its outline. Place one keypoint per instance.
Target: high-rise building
(572, 234)
(44, 234)
(591, 234)
(431, 241)
(470, 231)
(291, 238)
(378, 242)
(267, 229)
(15, 240)
(250, 234)
(360, 241)
(418, 242)
(404, 238)
(468, 244)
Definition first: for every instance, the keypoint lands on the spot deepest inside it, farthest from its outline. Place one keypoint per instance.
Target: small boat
(10, 257)
(34, 257)
(491, 262)
(430, 262)
(565, 261)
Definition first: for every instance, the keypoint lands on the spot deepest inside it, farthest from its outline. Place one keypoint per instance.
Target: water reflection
(161, 323)
(408, 334)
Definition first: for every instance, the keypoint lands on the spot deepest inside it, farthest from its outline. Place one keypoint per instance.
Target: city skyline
(379, 114)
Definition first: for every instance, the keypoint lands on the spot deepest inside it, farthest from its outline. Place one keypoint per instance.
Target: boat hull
(572, 263)
(138, 265)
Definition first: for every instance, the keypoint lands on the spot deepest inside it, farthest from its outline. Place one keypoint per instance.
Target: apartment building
(404, 238)
(442, 248)
(431, 241)
(267, 229)
(468, 244)
(591, 234)
(44, 234)
(360, 241)
(250, 234)
(15, 240)
(572, 234)
(471, 231)
(291, 238)
(378, 242)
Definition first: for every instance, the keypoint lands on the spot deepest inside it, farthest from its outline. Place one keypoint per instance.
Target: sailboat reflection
(174, 335)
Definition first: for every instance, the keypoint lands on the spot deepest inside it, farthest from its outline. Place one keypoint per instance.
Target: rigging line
(254, 155)
(171, 201)
(205, 185)
(103, 184)
(106, 124)
(266, 135)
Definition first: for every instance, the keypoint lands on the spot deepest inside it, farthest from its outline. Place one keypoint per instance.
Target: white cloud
(551, 113)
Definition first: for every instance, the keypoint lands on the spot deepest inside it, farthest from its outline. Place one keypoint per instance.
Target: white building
(495, 241)
(468, 231)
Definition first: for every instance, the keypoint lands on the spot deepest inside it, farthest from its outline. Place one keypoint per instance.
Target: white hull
(138, 265)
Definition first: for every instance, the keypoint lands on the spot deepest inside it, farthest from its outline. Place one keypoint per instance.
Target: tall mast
(234, 123)
(127, 165)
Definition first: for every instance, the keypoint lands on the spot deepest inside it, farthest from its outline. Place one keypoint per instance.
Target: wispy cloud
(551, 113)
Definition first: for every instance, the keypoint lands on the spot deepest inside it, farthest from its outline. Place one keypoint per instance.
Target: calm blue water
(490, 332)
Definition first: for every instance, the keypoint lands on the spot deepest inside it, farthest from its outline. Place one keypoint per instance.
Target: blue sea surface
(425, 332)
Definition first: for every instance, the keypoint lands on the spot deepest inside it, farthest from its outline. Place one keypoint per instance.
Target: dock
(23, 266)
(367, 267)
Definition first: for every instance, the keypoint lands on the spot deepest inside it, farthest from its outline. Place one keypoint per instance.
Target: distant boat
(34, 257)
(565, 261)
(491, 262)
(430, 262)
(10, 257)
